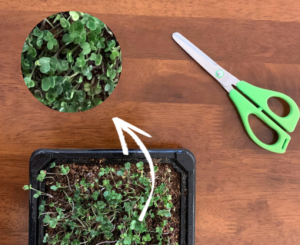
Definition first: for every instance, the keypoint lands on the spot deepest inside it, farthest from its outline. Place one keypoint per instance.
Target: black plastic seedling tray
(182, 161)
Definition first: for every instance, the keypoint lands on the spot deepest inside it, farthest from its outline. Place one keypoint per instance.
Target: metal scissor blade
(220, 74)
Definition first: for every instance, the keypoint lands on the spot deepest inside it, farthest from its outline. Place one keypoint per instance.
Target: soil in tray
(100, 204)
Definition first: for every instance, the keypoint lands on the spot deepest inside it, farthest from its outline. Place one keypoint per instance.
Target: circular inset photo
(71, 61)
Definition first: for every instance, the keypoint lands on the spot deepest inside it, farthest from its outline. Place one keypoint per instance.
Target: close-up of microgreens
(100, 203)
(71, 62)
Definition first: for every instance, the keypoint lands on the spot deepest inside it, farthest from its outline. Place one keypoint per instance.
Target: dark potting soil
(91, 172)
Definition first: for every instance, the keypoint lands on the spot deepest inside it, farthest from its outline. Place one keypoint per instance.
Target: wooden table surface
(244, 194)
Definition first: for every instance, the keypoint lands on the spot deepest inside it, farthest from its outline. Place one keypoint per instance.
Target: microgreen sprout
(103, 205)
(71, 61)
(37, 192)
(42, 175)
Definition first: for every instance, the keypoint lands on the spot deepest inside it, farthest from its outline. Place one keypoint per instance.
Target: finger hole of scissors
(279, 106)
(262, 131)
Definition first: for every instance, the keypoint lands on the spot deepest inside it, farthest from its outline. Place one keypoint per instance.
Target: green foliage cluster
(71, 61)
(107, 205)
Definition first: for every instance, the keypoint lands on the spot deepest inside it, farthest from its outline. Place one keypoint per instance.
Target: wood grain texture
(245, 195)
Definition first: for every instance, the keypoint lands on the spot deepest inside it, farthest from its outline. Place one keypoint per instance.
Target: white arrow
(122, 125)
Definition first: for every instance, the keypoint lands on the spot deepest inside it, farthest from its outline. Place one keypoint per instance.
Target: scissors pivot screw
(219, 73)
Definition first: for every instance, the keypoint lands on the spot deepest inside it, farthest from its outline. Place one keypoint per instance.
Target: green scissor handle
(246, 108)
(261, 96)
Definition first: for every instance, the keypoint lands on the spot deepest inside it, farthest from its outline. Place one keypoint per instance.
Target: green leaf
(76, 29)
(169, 205)
(54, 64)
(46, 237)
(74, 15)
(127, 240)
(97, 58)
(25, 47)
(44, 64)
(48, 35)
(140, 165)
(110, 44)
(106, 193)
(46, 219)
(100, 44)
(67, 38)
(41, 176)
(93, 37)
(70, 57)
(99, 218)
(26, 187)
(107, 87)
(39, 42)
(37, 32)
(100, 26)
(120, 173)
(105, 182)
(120, 69)
(132, 224)
(91, 24)
(47, 83)
(53, 187)
(53, 223)
(64, 65)
(159, 230)
(86, 48)
(127, 165)
(93, 47)
(87, 87)
(165, 213)
(111, 73)
(64, 170)
(57, 17)
(85, 18)
(114, 54)
(95, 195)
(80, 61)
(147, 238)
(64, 23)
(31, 51)
(66, 86)
(29, 83)
(81, 38)
(36, 195)
(51, 43)
(26, 64)
(81, 95)
(89, 76)
(58, 89)
(101, 204)
(86, 71)
(52, 165)
(119, 183)
(60, 80)
(75, 242)
(80, 79)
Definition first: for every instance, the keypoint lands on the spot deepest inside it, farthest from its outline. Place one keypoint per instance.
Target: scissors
(248, 99)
